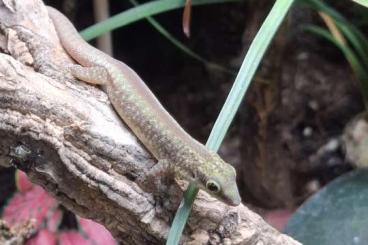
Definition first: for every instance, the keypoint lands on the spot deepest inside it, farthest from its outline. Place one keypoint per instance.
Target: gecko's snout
(232, 196)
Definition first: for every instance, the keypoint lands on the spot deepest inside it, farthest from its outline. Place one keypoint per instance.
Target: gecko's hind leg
(93, 75)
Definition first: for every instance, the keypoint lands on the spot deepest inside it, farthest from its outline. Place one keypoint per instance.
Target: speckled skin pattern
(176, 150)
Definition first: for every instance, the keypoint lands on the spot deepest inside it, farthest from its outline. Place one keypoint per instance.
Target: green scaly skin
(175, 150)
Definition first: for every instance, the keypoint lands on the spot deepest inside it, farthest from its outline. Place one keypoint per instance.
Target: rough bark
(66, 136)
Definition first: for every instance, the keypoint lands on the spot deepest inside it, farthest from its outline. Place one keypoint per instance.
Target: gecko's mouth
(232, 201)
(231, 196)
(227, 200)
(236, 202)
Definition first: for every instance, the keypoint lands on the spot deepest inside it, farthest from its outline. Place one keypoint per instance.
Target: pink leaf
(54, 221)
(43, 237)
(72, 238)
(96, 232)
(22, 182)
(34, 204)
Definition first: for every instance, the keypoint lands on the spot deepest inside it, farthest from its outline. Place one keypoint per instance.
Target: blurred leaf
(336, 215)
(96, 232)
(357, 40)
(331, 25)
(54, 220)
(43, 237)
(35, 204)
(22, 182)
(73, 238)
(362, 2)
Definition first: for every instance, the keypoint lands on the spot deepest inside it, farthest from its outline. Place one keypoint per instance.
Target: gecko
(176, 151)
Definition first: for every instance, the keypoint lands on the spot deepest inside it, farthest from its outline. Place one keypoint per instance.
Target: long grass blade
(362, 2)
(247, 71)
(138, 13)
(357, 42)
(232, 103)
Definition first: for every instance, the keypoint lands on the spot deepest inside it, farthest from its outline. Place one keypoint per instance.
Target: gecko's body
(151, 123)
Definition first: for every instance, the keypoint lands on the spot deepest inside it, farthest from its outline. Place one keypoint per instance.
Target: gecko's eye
(213, 186)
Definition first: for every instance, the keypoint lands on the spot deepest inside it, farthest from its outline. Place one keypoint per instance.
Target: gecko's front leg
(151, 179)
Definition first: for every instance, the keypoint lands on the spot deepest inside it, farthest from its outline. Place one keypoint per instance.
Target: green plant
(352, 42)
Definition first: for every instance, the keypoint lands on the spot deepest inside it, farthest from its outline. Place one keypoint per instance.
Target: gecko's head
(218, 178)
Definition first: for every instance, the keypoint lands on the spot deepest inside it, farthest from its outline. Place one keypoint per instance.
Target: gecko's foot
(152, 180)
(148, 184)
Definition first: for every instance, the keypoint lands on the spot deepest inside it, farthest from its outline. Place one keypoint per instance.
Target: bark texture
(66, 136)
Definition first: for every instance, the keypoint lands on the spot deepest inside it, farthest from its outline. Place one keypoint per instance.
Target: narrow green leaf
(321, 6)
(341, 21)
(355, 41)
(232, 103)
(247, 71)
(138, 13)
(182, 215)
(362, 2)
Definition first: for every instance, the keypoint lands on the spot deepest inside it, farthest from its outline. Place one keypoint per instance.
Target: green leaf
(358, 42)
(362, 2)
(138, 13)
(336, 214)
(247, 70)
